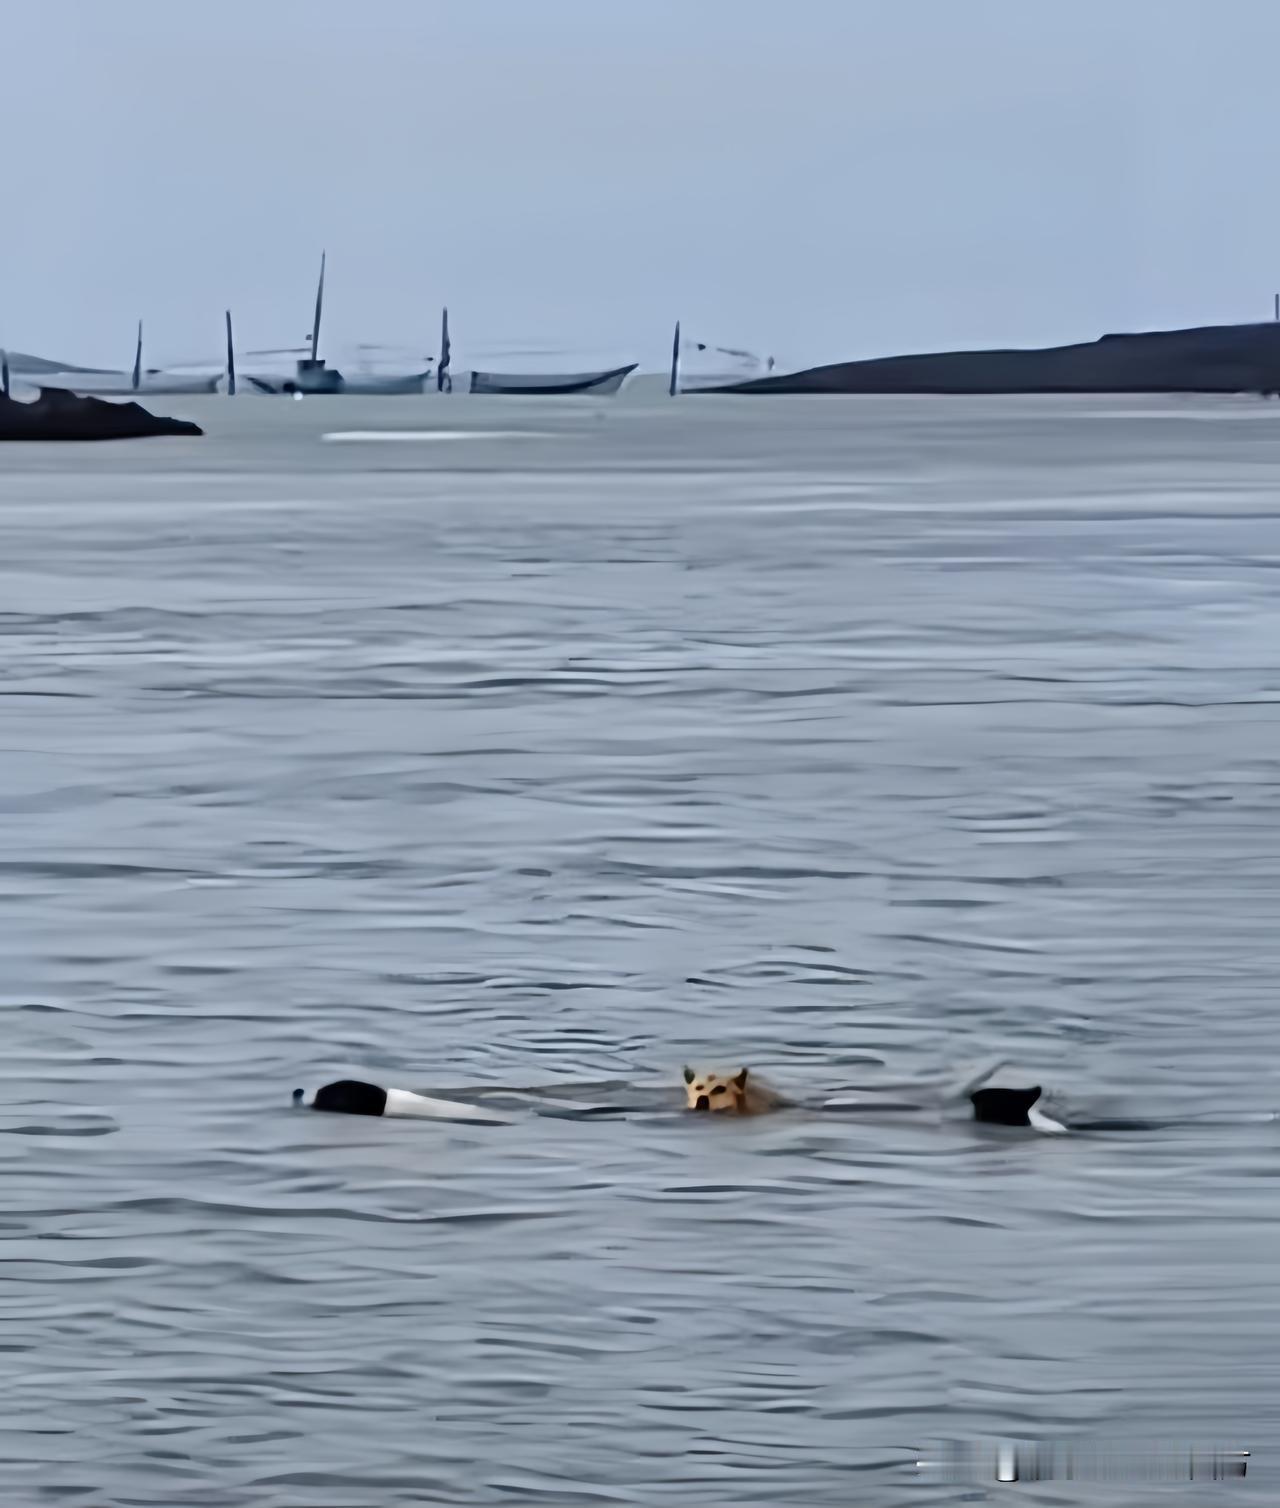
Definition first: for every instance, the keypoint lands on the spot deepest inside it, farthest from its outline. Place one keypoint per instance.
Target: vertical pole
(231, 360)
(315, 327)
(444, 382)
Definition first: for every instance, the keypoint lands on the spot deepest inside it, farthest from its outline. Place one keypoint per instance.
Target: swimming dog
(1012, 1107)
(738, 1092)
(351, 1097)
(1007, 1107)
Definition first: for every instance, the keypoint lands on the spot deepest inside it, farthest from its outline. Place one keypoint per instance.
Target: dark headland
(59, 415)
(1208, 359)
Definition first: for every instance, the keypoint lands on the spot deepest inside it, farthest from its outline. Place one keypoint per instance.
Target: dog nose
(702, 1103)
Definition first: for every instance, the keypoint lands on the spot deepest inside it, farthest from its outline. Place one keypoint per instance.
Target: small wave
(395, 436)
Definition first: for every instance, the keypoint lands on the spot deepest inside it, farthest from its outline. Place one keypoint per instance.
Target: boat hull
(547, 384)
(332, 383)
(121, 386)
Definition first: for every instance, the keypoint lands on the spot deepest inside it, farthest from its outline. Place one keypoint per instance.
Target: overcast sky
(815, 178)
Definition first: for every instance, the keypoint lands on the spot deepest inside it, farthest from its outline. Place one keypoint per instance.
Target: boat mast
(315, 327)
(444, 382)
(231, 360)
(4, 373)
(137, 361)
(674, 386)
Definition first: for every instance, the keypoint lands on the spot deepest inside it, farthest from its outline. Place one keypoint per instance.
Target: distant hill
(1207, 359)
(20, 361)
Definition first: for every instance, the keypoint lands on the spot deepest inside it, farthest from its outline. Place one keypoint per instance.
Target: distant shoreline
(1202, 359)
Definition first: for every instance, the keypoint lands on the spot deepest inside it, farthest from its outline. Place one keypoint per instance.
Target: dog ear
(740, 1078)
(689, 1074)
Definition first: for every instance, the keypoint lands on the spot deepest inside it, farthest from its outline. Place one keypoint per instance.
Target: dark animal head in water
(348, 1096)
(1004, 1107)
(715, 1091)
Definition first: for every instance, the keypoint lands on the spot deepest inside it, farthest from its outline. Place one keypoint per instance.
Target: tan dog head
(715, 1091)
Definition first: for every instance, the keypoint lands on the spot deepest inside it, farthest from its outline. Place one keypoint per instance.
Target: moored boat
(602, 384)
(315, 377)
(312, 375)
(108, 384)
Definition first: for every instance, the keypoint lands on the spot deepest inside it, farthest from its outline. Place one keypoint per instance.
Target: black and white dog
(1012, 1107)
(1007, 1107)
(351, 1097)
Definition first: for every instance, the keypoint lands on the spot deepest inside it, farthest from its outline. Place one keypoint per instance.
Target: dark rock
(1208, 359)
(59, 415)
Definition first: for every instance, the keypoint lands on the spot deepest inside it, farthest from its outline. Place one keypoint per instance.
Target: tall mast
(137, 360)
(315, 327)
(444, 382)
(674, 386)
(231, 360)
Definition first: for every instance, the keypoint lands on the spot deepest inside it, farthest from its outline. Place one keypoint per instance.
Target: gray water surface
(861, 741)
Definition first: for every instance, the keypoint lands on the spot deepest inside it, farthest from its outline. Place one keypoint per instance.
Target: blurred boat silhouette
(113, 384)
(312, 375)
(318, 377)
(602, 384)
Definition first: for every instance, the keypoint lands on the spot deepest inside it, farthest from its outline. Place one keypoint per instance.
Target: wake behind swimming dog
(742, 1093)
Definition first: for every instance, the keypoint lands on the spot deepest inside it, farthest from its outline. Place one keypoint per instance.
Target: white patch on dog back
(405, 1102)
(1041, 1122)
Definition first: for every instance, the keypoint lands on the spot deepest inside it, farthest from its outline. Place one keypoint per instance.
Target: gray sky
(816, 178)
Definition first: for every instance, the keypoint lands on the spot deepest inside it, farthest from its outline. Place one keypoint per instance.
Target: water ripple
(860, 743)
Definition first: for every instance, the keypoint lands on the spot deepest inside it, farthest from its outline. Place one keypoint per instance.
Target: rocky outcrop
(1207, 359)
(59, 415)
